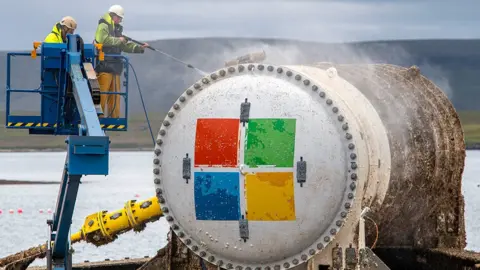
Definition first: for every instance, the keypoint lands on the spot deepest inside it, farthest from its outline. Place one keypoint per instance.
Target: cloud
(325, 21)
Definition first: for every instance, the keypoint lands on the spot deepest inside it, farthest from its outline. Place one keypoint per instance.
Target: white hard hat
(117, 9)
(69, 22)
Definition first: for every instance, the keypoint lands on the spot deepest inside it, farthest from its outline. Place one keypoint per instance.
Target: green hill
(454, 65)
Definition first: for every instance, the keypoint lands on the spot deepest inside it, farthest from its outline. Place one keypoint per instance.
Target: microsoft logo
(261, 191)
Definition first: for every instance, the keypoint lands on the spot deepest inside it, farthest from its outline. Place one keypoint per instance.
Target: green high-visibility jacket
(108, 33)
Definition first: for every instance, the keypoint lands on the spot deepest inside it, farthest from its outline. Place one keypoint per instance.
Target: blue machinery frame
(54, 59)
(67, 108)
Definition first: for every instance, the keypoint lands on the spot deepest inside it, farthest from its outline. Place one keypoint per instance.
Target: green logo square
(270, 142)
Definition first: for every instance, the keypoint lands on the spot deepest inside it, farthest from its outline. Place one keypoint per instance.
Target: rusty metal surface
(23, 259)
(255, 57)
(370, 261)
(394, 257)
(176, 256)
(424, 206)
(429, 259)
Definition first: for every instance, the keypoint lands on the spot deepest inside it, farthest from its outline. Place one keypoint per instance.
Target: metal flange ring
(255, 167)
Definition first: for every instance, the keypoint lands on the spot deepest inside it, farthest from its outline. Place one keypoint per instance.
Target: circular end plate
(255, 167)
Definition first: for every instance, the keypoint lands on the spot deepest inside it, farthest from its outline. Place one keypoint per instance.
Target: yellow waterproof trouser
(110, 83)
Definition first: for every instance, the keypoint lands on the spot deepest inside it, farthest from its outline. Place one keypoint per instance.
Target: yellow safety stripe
(30, 124)
(34, 124)
(112, 126)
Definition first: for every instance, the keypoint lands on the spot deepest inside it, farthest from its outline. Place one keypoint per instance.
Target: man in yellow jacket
(110, 34)
(60, 30)
(67, 25)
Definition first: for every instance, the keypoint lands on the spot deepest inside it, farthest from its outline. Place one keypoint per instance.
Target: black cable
(143, 103)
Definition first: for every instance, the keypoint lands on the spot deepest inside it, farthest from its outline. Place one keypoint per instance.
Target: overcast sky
(23, 21)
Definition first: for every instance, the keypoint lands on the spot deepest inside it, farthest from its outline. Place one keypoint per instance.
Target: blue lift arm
(69, 109)
(87, 155)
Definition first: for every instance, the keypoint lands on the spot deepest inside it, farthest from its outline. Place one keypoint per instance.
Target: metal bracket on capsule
(243, 224)
(301, 171)
(187, 174)
(337, 257)
(350, 257)
(244, 111)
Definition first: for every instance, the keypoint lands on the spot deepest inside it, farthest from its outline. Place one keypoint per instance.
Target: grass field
(138, 136)
(471, 126)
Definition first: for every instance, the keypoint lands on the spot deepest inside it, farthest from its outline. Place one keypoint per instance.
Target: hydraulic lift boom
(70, 99)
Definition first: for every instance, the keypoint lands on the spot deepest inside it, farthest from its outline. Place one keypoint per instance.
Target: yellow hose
(104, 227)
(76, 237)
(99, 229)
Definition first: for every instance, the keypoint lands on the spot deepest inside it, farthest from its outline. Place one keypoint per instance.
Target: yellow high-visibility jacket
(55, 36)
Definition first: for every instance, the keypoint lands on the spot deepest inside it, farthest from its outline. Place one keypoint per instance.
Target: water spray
(201, 72)
(255, 57)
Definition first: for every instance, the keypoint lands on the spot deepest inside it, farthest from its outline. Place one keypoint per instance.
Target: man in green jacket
(110, 34)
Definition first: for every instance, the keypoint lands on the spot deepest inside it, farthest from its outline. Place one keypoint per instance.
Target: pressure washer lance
(203, 73)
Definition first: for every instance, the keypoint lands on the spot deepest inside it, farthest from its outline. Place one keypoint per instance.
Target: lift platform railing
(50, 121)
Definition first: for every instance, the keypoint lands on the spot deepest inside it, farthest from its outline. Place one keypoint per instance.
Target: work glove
(143, 47)
(139, 49)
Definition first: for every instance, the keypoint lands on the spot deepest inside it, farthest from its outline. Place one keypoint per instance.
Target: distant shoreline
(475, 146)
(24, 182)
(27, 150)
(5, 182)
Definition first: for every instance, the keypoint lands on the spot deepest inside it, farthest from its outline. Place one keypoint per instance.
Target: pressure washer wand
(203, 73)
